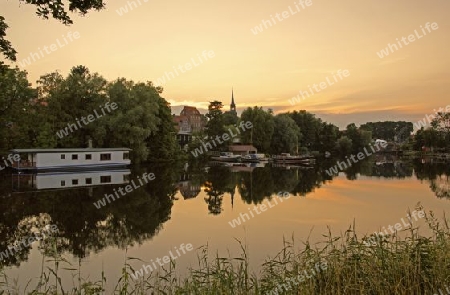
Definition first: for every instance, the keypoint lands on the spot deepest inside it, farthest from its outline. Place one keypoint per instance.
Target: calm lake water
(196, 205)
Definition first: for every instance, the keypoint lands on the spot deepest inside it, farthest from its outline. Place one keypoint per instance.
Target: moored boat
(290, 159)
(72, 158)
(227, 157)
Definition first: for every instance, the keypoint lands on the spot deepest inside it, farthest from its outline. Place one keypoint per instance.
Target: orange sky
(266, 69)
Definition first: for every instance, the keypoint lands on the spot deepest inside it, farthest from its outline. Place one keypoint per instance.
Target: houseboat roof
(76, 150)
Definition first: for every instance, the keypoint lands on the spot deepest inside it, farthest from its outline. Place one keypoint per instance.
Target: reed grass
(397, 264)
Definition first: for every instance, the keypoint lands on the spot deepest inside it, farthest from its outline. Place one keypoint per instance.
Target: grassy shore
(346, 264)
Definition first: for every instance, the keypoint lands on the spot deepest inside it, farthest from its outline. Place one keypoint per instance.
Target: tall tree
(215, 125)
(136, 118)
(263, 127)
(286, 135)
(16, 100)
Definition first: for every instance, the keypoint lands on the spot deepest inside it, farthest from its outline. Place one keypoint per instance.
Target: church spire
(232, 105)
(232, 97)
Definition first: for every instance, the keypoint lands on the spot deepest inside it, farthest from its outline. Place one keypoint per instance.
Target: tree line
(31, 117)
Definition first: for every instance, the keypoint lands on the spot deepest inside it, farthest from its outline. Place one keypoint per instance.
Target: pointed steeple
(232, 97)
(232, 105)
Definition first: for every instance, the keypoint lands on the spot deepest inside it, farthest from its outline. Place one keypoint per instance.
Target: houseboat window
(63, 183)
(88, 157)
(74, 157)
(74, 181)
(105, 179)
(63, 157)
(126, 156)
(88, 180)
(105, 157)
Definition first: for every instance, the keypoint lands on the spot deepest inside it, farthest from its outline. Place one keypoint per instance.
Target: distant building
(190, 120)
(195, 119)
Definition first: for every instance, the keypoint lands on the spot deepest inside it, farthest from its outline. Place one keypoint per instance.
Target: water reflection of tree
(219, 180)
(441, 186)
(437, 175)
(265, 182)
(134, 218)
(257, 185)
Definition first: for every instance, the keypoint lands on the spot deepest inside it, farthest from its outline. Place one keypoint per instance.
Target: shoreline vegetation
(404, 263)
(143, 121)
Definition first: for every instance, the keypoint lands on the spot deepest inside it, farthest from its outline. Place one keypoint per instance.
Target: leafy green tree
(310, 127)
(71, 100)
(163, 144)
(263, 128)
(327, 137)
(389, 130)
(16, 100)
(230, 118)
(215, 125)
(286, 135)
(136, 118)
(344, 145)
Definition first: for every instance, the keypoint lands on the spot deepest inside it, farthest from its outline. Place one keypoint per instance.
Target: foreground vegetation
(413, 264)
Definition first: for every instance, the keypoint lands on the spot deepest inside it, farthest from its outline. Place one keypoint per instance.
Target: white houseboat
(64, 159)
(68, 180)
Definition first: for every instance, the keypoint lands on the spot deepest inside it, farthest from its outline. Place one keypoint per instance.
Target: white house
(83, 158)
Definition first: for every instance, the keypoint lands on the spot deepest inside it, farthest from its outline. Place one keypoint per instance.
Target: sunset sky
(267, 69)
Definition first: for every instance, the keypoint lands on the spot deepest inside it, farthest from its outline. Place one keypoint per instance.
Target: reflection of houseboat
(87, 158)
(227, 157)
(286, 158)
(64, 180)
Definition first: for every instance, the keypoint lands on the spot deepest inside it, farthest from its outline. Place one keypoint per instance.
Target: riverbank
(346, 264)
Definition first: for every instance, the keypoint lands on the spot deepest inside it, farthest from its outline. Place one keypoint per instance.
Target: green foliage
(17, 100)
(163, 144)
(136, 118)
(286, 135)
(315, 134)
(389, 130)
(215, 125)
(263, 128)
(230, 118)
(141, 119)
(344, 145)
